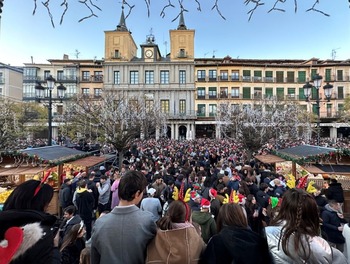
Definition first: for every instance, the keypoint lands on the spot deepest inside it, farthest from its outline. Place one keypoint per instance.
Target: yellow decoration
(4, 196)
(176, 193)
(187, 195)
(310, 187)
(291, 181)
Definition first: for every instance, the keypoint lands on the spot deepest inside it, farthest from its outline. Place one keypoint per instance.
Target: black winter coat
(38, 246)
(330, 224)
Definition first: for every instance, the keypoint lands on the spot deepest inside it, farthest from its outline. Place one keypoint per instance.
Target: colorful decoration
(233, 198)
(274, 201)
(302, 182)
(310, 187)
(290, 181)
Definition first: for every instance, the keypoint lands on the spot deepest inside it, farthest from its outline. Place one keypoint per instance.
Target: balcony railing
(67, 78)
(2, 80)
(189, 114)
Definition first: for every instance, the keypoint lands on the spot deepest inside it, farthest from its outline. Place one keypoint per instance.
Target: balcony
(212, 79)
(31, 78)
(291, 97)
(235, 78)
(269, 79)
(190, 114)
(200, 79)
(223, 78)
(289, 80)
(246, 79)
(257, 79)
(257, 96)
(97, 78)
(67, 79)
(340, 78)
(182, 54)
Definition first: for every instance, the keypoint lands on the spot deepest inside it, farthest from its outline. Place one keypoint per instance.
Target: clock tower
(149, 50)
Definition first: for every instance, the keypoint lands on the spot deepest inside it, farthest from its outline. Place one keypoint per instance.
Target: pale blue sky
(275, 35)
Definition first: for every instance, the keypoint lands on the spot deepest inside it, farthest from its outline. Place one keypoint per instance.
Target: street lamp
(317, 81)
(41, 94)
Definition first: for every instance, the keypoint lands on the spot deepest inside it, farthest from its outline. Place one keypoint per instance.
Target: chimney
(65, 57)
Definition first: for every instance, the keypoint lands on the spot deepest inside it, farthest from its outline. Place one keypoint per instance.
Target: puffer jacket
(182, 245)
(321, 251)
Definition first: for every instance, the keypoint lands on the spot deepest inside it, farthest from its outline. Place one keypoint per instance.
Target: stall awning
(20, 171)
(55, 154)
(89, 161)
(328, 169)
(269, 159)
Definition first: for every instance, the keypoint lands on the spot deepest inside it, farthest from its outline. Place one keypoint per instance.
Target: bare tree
(116, 119)
(92, 6)
(269, 119)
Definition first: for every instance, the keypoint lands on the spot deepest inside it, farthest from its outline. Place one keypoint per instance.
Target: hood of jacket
(201, 217)
(81, 190)
(10, 218)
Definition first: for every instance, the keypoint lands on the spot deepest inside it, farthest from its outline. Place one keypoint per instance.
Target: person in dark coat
(332, 224)
(262, 198)
(235, 242)
(73, 244)
(69, 220)
(25, 208)
(335, 191)
(66, 195)
(85, 203)
(91, 185)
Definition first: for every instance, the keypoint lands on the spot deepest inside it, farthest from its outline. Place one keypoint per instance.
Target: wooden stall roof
(89, 161)
(304, 151)
(55, 154)
(328, 169)
(269, 158)
(20, 171)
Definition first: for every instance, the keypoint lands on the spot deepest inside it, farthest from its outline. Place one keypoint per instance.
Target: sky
(25, 37)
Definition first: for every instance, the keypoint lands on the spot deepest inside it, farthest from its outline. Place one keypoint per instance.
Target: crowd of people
(203, 201)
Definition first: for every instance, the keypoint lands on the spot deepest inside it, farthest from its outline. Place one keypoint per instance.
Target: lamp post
(317, 81)
(41, 95)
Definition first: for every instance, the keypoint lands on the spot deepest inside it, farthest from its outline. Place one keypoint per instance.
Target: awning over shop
(328, 169)
(89, 161)
(20, 171)
(55, 154)
(269, 159)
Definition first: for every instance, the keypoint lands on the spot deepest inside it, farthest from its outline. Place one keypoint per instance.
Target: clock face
(148, 53)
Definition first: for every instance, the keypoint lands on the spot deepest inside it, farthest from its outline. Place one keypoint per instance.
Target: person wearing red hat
(214, 203)
(205, 219)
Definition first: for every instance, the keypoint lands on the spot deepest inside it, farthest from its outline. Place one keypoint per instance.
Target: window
(85, 91)
(182, 76)
(60, 76)
(149, 77)
(280, 93)
(29, 90)
(301, 76)
(329, 110)
(340, 75)
(235, 107)
(201, 75)
(268, 76)
(235, 75)
(97, 92)
(246, 75)
(71, 90)
(59, 109)
(200, 93)
(164, 77)
(269, 93)
(212, 109)
(279, 76)
(224, 75)
(116, 77)
(314, 109)
(340, 92)
(116, 54)
(201, 110)
(149, 105)
(257, 76)
(46, 74)
(235, 92)
(182, 53)
(291, 93)
(290, 77)
(328, 76)
(212, 75)
(182, 106)
(246, 107)
(301, 94)
(246, 93)
(257, 93)
(340, 107)
(30, 73)
(98, 76)
(212, 93)
(85, 76)
(164, 106)
(223, 92)
(313, 73)
(70, 74)
(1, 91)
(134, 77)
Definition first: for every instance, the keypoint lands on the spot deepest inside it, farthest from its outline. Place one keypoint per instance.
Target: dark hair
(71, 236)
(263, 186)
(103, 177)
(85, 256)
(300, 214)
(82, 184)
(23, 198)
(130, 184)
(176, 214)
(70, 209)
(231, 214)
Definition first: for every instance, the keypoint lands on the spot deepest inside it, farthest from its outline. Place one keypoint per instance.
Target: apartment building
(165, 81)
(244, 83)
(11, 82)
(77, 76)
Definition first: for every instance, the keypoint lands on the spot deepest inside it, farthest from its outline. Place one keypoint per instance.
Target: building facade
(243, 83)
(11, 82)
(166, 82)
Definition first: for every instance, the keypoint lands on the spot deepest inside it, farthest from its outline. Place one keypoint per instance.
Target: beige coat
(182, 246)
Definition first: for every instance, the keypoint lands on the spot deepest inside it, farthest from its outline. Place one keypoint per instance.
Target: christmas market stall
(19, 166)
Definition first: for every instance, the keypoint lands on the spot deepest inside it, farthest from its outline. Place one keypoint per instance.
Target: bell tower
(119, 44)
(182, 42)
